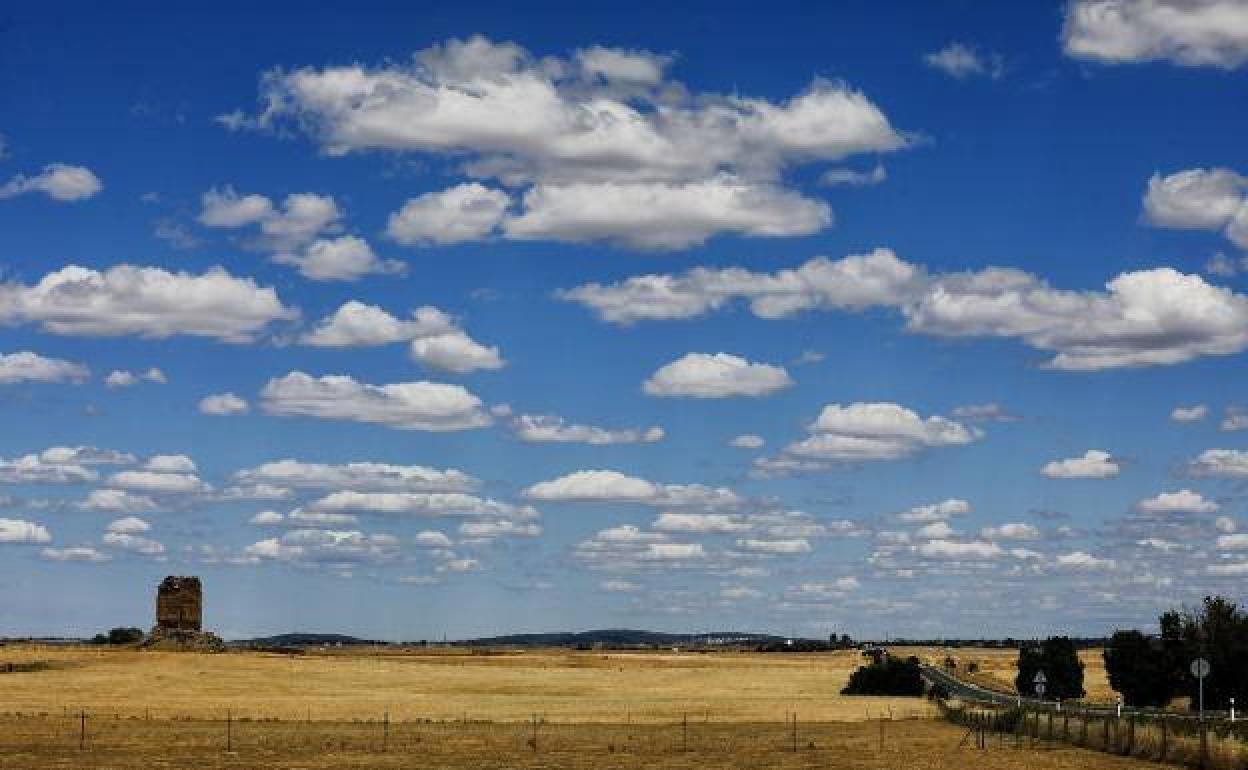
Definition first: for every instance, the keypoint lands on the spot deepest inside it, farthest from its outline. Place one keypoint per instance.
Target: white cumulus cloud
(1094, 464)
(424, 406)
(1194, 33)
(58, 181)
(719, 375)
(32, 367)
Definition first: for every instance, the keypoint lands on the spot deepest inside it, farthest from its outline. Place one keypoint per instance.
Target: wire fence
(83, 732)
(1168, 738)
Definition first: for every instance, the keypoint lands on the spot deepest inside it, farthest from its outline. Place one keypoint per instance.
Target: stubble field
(386, 708)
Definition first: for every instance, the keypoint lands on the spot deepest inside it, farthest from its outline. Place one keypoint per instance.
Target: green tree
(889, 676)
(1143, 670)
(1218, 632)
(1059, 660)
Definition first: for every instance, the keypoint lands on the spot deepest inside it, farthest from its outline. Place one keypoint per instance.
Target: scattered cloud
(1144, 318)
(1213, 199)
(435, 339)
(1225, 463)
(426, 406)
(615, 487)
(960, 61)
(862, 432)
(1189, 413)
(1182, 501)
(81, 553)
(583, 135)
(223, 405)
(990, 412)
(58, 181)
(552, 428)
(23, 532)
(1094, 464)
(144, 301)
(121, 378)
(1235, 419)
(848, 177)
(1191, 33)
(721, 375)
(941, 511)
(357, 476)
(31, 367)
(747, 441)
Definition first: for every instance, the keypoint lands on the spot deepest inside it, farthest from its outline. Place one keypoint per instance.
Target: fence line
(1174, 739)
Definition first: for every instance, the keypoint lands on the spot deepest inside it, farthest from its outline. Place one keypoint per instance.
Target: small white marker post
(1120, 707)
(1232, 711)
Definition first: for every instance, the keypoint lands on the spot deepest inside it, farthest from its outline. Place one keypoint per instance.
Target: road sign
(1040, 678)
(1200, 668)
(1039, 689)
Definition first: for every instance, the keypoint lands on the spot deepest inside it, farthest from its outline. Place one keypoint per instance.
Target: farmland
(85, 707)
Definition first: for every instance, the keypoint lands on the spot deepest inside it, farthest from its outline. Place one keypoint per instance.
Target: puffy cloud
(82, 553)
(1201, 199)
(455, 352)
(426, 504)
(1094, 464)
(863, 432)
(267, 519)
(775, 547)
(601, 132)
(1144, 318)
(1189, 413)
(937, 530)
(345, 258)
(1011, 531)
(170, 464)
(85, 455)
(404, 406)
(436, 339)
(357, 476)
(223, 405)
(432, 539)
(1225, 524)
(1193, 33)
(121, 378)
(856, 282)
(721, 375)
(1183, 501)
(976, 550)
(492, 528)
(958, 60)
(58, 181)
(552, 428)
(1237, 542)
(22, 531)
(701, 523)
(1236, 419)
(296, 233)
(747, 441)
(145, 301)
(466, 212)
(615, 487)
(134, 543)
(323, 547)
(118, 501)
(32, 367)
(158, 482)
(1080, 561)
(1227, 463)
(664, 215)
(129, 525)
(59, 465)
(941, 511)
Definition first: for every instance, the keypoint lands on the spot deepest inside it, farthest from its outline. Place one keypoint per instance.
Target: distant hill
(622, 637)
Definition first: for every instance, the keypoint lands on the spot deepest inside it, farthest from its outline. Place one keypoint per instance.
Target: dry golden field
(921, 744)
(562, 685)
(996, 668)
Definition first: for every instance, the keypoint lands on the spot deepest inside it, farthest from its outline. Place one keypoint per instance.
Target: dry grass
(997, 668)
(51, 742)
(443, 685)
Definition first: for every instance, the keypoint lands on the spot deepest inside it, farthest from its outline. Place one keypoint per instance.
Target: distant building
(179, 604)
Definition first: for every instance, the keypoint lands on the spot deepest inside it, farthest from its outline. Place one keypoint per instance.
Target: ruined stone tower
(179, 604)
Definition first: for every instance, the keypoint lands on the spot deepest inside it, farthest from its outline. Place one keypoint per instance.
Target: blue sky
(917, 319)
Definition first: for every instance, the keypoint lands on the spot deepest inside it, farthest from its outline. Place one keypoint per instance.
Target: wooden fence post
(1105, 740)
(1204, 746)
(1164, 737)
(82, 730)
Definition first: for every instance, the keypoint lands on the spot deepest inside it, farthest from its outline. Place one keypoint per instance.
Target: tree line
(1153, 670)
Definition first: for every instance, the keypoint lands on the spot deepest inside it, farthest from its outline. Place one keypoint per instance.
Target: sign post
(1040, 681)
(1200, 670)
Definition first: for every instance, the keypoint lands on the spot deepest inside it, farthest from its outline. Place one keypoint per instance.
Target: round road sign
(1200, 668)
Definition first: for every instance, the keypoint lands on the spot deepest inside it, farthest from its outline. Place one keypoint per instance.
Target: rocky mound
(184, 641)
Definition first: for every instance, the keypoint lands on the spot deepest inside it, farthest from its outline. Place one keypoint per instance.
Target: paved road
(972, 692)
